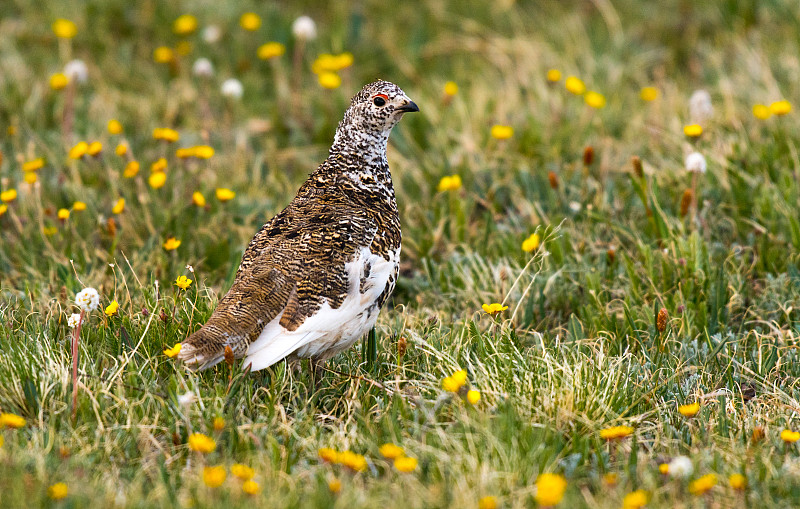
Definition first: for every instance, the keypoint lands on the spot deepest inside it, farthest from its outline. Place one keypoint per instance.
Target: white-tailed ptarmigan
(314, 277)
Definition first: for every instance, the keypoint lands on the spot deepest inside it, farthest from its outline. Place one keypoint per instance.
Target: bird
(313, 279)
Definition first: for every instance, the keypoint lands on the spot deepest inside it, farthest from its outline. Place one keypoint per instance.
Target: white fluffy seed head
(232, 88)
(212, 34)
(681, 466)
(304, 29)
(76, 71)
(700, 107)
(203, 67)
(73, 320)
(696, 163)
(88, 299)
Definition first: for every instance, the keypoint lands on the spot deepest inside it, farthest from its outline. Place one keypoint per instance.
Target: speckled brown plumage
(317, 273)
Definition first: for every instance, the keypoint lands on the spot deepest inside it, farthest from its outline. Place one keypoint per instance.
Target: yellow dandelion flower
(213, 477)
(182, 282)
(198, 199)
(473, 396)
(594, 99)
(163, 55)
(114, 126)
(166, 134)
(184, 153)
(692, 130)
(738, 482)
(455, 382)
(198, 441)
(64, 28)
(335, 486)
(790, 436)
(223, 194)
(635, 500)
(270, 50)
(251, 487)
(159, 166)
(610, 478)
(405, 464)
(3, 209)
(13, 421)
(329, 80)
(450, 88)
(49, 230)
(703, 484)
(63, 214)
(119, 206)
(57, 491)
(494, 308)
(250, 21)
(502, 132)
(488, 503)
(531, 243)
(243, 472)
(780, 107)
(663, 468)
(328, 454)
(8, 195)
(616, 432)
(112, 308)
(342, 61)
(131, 169)
(157, 180)
(79, 150)
(172, 244)
(575, 85)
(59, 81)
(173, 352)
(219, 422)
(761, 111)
(550, 489)
(33, 165)
(79, 206)
(553, 75)
(449, 183)
(30, 177)
(94, 148)
(648, 94)
(391, 451)
(203, 152)
(121, 149)
(689, 410)
(184, 24)
(353, 461)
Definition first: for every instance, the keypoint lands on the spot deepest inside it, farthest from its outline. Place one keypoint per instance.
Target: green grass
(576, 351)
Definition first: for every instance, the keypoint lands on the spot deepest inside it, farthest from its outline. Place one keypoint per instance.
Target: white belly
(330, 331)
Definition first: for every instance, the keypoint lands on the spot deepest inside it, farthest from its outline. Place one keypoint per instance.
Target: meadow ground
(650, 338)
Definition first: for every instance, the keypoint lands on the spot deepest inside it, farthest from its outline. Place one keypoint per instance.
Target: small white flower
(76, 71)
(700, 107)
(574, 206)
(212, 34)
(203, 67)
(304, 29)
(88, 299)
(695, 162)
(681, 466)
(187, 398)
(73, 320)
(232, 88)
(190, 268)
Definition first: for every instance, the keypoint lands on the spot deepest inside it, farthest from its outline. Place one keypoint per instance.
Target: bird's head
(375, 110)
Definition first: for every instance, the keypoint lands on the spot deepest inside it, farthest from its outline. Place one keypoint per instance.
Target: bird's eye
(379, 100)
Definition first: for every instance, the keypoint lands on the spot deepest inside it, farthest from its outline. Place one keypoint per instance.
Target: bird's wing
(294, 265)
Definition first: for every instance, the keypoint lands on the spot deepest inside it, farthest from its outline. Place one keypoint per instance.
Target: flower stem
(75, 339)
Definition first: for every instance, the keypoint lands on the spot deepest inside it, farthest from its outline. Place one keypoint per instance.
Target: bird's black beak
(409, 107)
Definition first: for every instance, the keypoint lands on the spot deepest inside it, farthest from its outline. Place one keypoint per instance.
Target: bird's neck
(359, 155)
